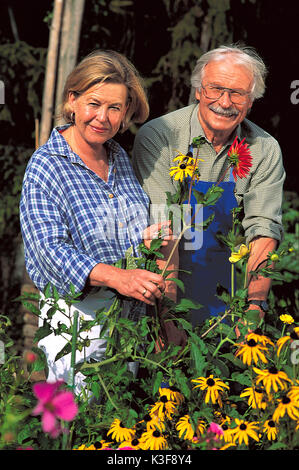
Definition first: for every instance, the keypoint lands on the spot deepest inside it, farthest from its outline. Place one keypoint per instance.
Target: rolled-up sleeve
(48, 244)
(263, 200)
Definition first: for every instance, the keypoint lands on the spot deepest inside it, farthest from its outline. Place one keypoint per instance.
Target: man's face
(221, 116)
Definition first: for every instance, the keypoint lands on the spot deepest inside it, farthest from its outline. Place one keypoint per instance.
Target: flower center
(156, 434)
(210, 382)
(243, 426)
(271, 424)
(273, 370)
(164, 399)
(135, 442)
(252, 343)
(182, 166)
(286, 400)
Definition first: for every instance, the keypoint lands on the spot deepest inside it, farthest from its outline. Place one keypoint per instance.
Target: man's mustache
(225, 112)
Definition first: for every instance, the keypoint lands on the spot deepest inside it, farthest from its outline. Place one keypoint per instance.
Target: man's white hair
(242, 55)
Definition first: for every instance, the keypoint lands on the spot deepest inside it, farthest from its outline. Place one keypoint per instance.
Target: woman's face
(99, 112)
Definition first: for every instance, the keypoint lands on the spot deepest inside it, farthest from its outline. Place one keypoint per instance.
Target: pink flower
(54, 403)
(215, 429)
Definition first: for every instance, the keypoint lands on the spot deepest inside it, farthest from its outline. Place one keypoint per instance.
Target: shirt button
(110, 195)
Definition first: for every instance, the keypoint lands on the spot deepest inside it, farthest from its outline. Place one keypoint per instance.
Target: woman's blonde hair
(103, 66)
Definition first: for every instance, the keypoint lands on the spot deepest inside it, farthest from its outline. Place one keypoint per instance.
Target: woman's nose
(102, 114)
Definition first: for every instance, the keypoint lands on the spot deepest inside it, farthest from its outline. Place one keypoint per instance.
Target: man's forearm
(259, 286)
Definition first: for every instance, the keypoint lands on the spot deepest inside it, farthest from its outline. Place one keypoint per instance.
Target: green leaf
(42, 332)
(65, 350)
(157, 382)
(178, 282)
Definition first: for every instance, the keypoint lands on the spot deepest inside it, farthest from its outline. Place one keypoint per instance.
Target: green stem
(233, 285)
(73, 353)
(107, 393)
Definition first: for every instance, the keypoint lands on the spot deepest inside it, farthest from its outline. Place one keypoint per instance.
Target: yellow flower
(293, 336)
(270, 429)
(256, 397)
(134, 443)
(213, 386)
(119, 432)
(153, 440)
(237, 255)
(84, 447)
(288, 319)
(272, 378)
(252, 351)
(186, 166)
(181, 171)
(153, 422)
(258, 337)
(172, 394)
(244, 430)
(287, 405)
(294, 391)
(163, 408)
(185, 428)
(227, 435)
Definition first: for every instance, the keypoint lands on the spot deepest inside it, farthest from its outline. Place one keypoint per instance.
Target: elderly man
(225, 81)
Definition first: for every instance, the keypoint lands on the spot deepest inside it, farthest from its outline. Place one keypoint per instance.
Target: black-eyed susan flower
(244, 430)
(153, 440)
(100, 445)
(286, 405)
(214, 388)
(272, 378)
(185, 428)
(119, 432)
(286, 318)
(85, 447)
(227, 435)
(201, 427)
(163, 408)
(251, 351)
(293, 336)
(153, 422)
(258, 336)
(172, 394)
(181, 171)
(222, 418)
(293, 392)
(270, 429)
(134, 444)
(255, 396)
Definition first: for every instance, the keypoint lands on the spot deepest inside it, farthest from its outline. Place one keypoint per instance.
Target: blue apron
(209, 264)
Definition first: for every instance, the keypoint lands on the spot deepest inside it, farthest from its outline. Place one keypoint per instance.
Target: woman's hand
(137, 283)
(162, 230)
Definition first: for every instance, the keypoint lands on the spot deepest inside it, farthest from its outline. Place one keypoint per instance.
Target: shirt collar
(57, 145)
(196, 129)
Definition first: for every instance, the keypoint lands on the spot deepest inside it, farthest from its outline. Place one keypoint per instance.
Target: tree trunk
(50, 79)
(70, 35)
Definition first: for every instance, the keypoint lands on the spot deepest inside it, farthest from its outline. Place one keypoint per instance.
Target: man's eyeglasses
(215, 92)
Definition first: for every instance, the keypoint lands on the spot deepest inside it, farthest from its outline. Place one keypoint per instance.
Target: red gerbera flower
(239, 158)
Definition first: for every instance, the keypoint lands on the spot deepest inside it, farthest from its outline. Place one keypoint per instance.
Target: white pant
(51, 344)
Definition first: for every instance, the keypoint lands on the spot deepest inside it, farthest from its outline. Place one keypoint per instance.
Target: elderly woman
(82, 207)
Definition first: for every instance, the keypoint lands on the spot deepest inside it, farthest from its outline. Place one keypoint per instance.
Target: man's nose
(225, 100)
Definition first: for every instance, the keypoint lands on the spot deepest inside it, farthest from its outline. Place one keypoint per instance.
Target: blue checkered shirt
(72, 220)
